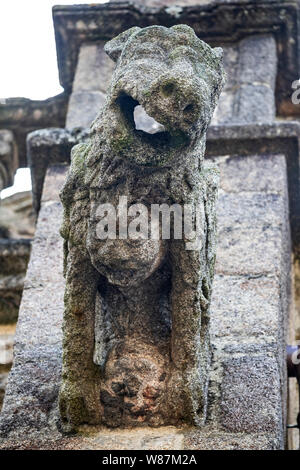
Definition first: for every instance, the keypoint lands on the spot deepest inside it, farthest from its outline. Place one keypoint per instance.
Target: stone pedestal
(249, 312)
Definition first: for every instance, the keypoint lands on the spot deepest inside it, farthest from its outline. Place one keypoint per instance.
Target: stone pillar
(249, 94)
(92, 76)
(251, 298)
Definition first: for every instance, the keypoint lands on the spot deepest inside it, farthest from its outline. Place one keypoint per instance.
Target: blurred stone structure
(18, 117)
(254, 137)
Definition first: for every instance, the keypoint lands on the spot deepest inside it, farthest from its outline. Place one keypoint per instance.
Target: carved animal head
(174, 76)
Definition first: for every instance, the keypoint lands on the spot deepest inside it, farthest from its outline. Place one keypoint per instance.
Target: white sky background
(28, 58)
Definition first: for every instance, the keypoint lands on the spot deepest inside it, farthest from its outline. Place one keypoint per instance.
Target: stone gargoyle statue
(136, 322)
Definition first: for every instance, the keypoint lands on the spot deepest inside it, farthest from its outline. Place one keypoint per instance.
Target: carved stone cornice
(216, 23)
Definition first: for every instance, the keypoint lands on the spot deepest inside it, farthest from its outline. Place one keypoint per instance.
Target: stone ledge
(30, 417)
(162, 438)
(53, 146)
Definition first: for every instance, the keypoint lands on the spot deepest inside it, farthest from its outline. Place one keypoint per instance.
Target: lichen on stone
(136, 323)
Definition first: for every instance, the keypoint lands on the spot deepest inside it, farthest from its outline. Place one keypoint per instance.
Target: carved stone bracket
(217, 23)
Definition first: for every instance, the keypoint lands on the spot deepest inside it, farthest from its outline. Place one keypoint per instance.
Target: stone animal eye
(189, 108)
(168, 88)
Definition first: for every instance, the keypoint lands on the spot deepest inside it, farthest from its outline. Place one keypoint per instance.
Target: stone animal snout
(173, 75)
(177, 103)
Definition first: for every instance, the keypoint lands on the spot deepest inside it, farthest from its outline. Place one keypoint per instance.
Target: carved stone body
(136, 343)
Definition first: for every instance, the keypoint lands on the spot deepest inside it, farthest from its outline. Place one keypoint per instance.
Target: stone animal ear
(218, 51)
(114, 47)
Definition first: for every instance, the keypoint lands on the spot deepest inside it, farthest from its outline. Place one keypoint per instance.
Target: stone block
(224, 109)
(217, 440)
(17, 216)
(250, 233)
(231, 63)
(47, 147)
(258, 60)
(252, 215)
(238, 210)
(251, 395)
(254, 103)
(251, 67)
(83, 108)
(94, 68)
(251, 251)
(56, 175)
(244, 173)
(245, 310)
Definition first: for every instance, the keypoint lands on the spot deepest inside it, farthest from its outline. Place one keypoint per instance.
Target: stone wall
(247, 394)
(251, 296)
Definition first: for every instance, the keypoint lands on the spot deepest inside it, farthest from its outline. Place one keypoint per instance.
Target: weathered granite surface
(251, 296)
(160, 3)
(255, 314)
(34, 381)
(248, 314)
(279, 137)
(93, 74)
(123, 295)
(55, 145)
(249, 93)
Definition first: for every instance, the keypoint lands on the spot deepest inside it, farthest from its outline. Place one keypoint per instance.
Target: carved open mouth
(145, 126)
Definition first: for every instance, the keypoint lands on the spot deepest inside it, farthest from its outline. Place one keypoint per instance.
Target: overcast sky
(27, 51)
(28, 58)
